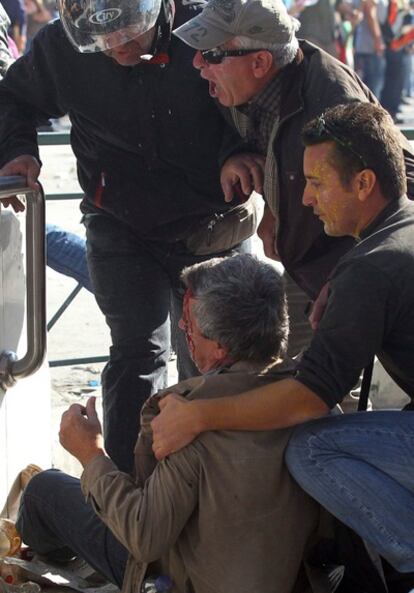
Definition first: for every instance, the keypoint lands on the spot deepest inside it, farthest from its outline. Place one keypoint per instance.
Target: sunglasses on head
(216, 56)
(329, 130)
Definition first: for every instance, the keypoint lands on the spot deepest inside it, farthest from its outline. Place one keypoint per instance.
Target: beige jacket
(222, 515)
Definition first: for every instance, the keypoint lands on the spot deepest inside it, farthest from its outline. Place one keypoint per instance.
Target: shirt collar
(264, 100)
(378, 220)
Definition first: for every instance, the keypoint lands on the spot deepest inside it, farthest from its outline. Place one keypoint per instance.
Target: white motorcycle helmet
(99, 25)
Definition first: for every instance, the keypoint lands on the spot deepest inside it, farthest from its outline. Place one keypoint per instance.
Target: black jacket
(309, 87)
(369, 311)
(148, 139)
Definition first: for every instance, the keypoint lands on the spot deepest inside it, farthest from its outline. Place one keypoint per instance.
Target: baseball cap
(221, 20)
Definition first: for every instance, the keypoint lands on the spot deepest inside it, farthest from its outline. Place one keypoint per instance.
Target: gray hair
(241, 304)
(283, 53)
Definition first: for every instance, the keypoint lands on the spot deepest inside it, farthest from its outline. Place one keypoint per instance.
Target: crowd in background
(376, 37)
(27, 17)
(373, 36)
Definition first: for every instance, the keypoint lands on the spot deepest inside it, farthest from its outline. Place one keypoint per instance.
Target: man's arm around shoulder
(276, 405)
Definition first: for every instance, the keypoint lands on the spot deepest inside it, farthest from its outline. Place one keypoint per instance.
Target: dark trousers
(137, 286)
(394, 81)
(55, 521)
(371, 68)
(300, 331)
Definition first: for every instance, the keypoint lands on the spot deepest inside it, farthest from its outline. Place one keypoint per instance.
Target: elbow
(311, 405)
(320, 408)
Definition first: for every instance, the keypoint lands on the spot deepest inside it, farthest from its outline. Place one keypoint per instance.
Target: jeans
(371, 69)
(137, 285)
(361, 468)
(55, 521)
(408, 74)
(66, 253)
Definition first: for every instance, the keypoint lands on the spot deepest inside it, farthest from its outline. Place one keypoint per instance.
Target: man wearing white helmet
(149, 144)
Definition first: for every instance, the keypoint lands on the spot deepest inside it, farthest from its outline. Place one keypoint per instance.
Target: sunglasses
(332, 132)
(216, 56)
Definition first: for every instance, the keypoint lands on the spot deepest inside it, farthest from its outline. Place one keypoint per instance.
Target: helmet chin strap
(163, 29)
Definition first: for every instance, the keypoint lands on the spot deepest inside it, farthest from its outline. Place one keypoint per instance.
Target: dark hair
(241, 304)
(365, 137)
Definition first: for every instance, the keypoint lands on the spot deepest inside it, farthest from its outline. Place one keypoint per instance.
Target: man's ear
(263, 63)
(220, 353)
(365, 180)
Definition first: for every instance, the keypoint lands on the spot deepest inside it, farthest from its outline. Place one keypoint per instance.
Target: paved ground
(81, 331)
(407, 113)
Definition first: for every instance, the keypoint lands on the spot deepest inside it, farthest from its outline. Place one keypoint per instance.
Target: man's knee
(314, 445)
(39, 486)
(296, 449)
(33, 502)
(306, 447)
(38, 490)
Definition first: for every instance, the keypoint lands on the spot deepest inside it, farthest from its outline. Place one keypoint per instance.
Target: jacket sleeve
(148, 520)
(28, 96)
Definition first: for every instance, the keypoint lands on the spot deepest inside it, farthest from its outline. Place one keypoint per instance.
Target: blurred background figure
(348, 17)
(398, 32)
(6, 57)
(15, 10)
(369, 44)
(317, 19)
(38, 14)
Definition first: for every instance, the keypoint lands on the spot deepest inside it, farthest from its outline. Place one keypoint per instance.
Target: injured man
(222, 515)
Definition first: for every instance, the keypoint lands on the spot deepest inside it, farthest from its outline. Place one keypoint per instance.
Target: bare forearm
(272, 406)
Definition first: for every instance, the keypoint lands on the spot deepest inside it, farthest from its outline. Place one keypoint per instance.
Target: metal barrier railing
(63, 138)
(13, 368)
(408, 133)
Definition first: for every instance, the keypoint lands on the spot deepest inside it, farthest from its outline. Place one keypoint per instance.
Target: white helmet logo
(105, 16)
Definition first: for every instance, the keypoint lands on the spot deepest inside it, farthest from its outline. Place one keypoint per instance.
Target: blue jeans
(137, 286)
(55, 521)
(361, 468)
(66, 253)
(371, 69)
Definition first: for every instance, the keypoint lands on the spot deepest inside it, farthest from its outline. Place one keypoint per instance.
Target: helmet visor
(94, 26)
